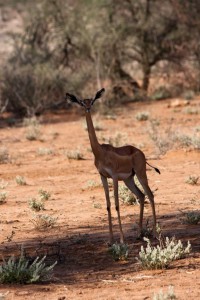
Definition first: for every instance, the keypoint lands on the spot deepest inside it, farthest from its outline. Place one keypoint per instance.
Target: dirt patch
(78, 241)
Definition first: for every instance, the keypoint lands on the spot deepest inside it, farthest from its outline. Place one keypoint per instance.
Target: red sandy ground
(85, 269)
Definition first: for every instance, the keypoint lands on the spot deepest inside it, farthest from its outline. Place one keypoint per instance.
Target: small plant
(3, 196)
(191, 111)
(142, 116)
(97, 205)
(4, 155)
(192, 217)
(3, 184)
(20, 180)
(91, 184)
(192, 180)
(33, 131)
(76, 155)
(36, 205)
(169, 295)
(162, 255)
(146, 230)
(117, 140)
(44, 195)
(126, 196)
(22, 271)
(42, 222)
(119, 251)
(45, 151)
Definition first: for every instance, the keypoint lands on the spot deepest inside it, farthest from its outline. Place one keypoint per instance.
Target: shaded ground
(78, 242)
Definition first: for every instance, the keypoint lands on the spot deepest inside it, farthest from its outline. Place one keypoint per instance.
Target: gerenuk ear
(72, 98)
(98, 95)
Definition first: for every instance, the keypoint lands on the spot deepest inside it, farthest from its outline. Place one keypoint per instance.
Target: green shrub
(44, 195)
(162, 255)
(23, 271)
(119, 251)
(192, 217)
(36, 205)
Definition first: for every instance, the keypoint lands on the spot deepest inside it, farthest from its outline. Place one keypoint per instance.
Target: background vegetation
(125, 46)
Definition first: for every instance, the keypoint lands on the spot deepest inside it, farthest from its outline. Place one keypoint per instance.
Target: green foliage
(192, 217)
(36, 205)
(44, 195)
(23, 271)
(119, 251)
(162, 255)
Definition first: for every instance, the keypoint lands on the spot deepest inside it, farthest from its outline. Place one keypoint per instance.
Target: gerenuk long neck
(96, 147)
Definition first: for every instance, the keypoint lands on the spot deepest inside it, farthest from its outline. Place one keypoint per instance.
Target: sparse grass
(192, 217)
(142, 116)
(36, 205)
(33, 129)
(20, 180)
(191, 111)
(23, 271)
(192, 179)
(126, 196)
(147, 230)
(44, 195)
(91, 184)
(187, 141)
(117, 140)
(168, 295)
(97, 205)
(3, 184)
(162, 255)
(3, 197)
(163, 142)
(74, 154)
(4, 155)
(42, 222)
(45, 151)
(119, 251)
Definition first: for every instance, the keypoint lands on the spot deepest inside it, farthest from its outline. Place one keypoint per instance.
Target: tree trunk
(146, 77)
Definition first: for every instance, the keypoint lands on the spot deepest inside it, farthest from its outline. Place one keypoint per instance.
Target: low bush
(22, 271)
(31, 90)
(119, 251)
(162, 255)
